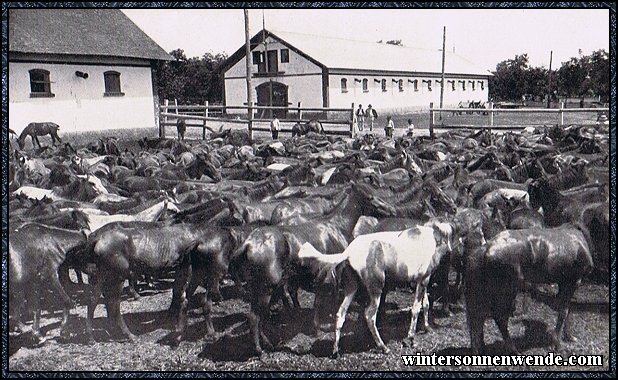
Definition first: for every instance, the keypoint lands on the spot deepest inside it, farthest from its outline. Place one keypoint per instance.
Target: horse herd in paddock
(346, 219)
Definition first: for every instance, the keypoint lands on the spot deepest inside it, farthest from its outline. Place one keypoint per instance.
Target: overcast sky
(484, 36)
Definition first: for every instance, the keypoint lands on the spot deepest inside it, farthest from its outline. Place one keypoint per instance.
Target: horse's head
(364, 197)
(439, 199)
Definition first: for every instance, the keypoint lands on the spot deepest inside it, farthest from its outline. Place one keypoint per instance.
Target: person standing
(360, 117)
(390, 127)
(370, 116)
(274, 128)
(410, 128)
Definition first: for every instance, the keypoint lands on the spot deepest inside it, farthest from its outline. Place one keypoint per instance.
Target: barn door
(273, 94)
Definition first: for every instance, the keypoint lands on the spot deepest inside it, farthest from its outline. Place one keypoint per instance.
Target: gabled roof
(91, 32)
(338, 53)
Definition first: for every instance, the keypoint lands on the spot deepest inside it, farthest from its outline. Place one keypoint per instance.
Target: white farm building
(331, 72)
(83, 69)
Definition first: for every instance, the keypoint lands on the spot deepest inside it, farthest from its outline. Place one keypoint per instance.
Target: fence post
(205, 115)
(432, 120)
(300, 112)
(561, 113)
(250, 122)
(352, 121)
(166, 104)
(491, 114)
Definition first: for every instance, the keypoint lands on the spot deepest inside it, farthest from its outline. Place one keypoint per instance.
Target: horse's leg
(36, 307)
(133, 287)
(350, 291)
(67, 304)
(502, 321)
(370, 316)
(183, 277)
(112, 290)
(416, 308)
(381, 310)
(426, 312)
(96, 290)
(258, 314)
(565, 293)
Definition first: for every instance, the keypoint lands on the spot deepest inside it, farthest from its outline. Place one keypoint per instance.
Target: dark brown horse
(36, 253)
(299, 129)
(34, 130)
(264, 259)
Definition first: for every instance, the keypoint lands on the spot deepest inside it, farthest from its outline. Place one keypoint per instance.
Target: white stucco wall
(394, 101)
(303, 78)
(79, 104)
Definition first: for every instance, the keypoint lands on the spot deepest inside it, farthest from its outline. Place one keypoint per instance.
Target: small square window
(285, 55)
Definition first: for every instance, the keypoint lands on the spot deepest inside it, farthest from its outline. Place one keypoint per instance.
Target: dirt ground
(297, 349)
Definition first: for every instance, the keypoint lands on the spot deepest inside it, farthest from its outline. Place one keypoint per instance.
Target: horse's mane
(77, 190)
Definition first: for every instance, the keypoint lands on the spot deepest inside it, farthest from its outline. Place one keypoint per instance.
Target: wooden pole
(205, 115)
(491, 114)
(352, 121)
(443, 60)
(561, 112)
(248, 78)
(551, 53)
(300, 112)
(432, 120)
(166, 103)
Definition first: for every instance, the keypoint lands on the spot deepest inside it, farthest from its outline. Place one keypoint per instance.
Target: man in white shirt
(274, 128)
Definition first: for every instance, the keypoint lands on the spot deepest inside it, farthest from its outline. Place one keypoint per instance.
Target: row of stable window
(40, 84)
(415, 82)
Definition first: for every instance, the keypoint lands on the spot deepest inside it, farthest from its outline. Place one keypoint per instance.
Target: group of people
(364, 119)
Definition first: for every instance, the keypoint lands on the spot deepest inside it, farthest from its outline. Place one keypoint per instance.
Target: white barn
(83, 69)
(331, 72)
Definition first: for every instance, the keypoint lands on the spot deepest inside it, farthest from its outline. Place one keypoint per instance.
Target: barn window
(40, 85)
(400, 85)
(285, 55)
(482, 85)
(428, 84)
(452, 83)
(473, 85)
(414, 83)
(383, 85)
(112, 83)
(344, 85)
(463, 84)
(365, 85)
(260, 61)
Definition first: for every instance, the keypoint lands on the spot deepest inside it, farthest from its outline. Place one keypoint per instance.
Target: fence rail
(202, 114)
(490, 111)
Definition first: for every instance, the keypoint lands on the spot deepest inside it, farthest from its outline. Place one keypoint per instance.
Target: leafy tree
(510, 79)
(191, 80)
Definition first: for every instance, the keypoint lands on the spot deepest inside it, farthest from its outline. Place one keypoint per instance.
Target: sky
(484, 36)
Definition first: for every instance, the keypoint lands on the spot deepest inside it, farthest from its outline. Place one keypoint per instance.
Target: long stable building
(328, 72)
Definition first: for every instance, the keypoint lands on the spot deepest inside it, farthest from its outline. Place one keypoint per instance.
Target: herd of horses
(470, 213)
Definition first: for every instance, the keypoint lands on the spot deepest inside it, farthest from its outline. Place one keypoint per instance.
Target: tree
(510, 79)
(191, 80)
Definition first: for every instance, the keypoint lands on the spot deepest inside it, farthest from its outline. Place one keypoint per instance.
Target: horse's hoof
(335, 355)
(569, 338)
(427, 329)
(386, 351)
(408, 342)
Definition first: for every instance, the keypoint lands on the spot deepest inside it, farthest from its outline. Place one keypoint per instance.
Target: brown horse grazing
(264, 259)
(120, 252)
(36, 253)
(496, 272)
(39, 129)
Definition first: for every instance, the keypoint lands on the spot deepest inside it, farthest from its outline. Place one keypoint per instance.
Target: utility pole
(443, 59)
(248, 69)
(270, 78)
(551, 53)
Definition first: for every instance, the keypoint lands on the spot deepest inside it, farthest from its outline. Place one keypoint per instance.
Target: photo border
(297, 5)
